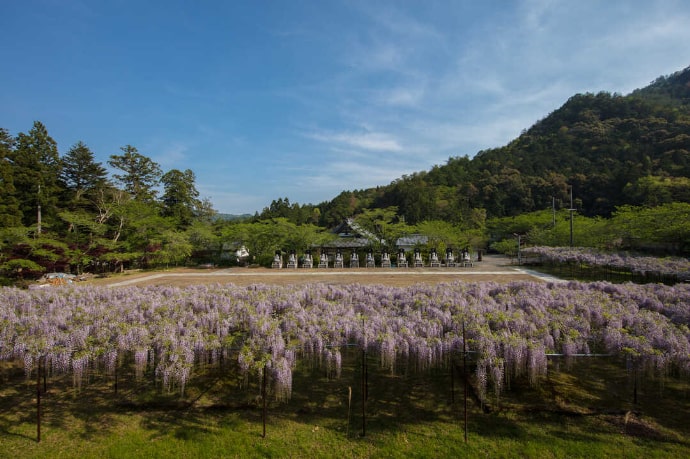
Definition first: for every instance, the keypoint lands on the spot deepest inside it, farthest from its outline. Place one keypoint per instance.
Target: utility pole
(519, 243)
(571, 216)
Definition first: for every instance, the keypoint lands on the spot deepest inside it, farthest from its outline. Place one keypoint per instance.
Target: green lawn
(584, 409)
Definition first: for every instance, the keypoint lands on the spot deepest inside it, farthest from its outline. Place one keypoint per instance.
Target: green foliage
(174, 248)
(144, 228)
(382, 226)
(180, 198)
(10, 213)
(343, 206)
(296, 213)
(80, 225)
(16, 267)
(664, 228)
(505, 246)
(139, 174)
(655, 190)
(443, 235)
(660, 229)
(673, 89)
(86, 222)
(36, 172)
(203, 239)
(80, 173)
(263, 238)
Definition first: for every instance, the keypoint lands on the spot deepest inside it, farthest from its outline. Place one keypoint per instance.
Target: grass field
(583, 409)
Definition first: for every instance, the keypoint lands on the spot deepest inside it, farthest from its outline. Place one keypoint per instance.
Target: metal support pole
(464, 373)
(571, 216)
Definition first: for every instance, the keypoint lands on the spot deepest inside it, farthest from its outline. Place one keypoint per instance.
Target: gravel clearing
(491, 268)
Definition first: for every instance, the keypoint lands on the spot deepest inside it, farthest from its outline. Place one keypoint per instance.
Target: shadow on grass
(575, 403)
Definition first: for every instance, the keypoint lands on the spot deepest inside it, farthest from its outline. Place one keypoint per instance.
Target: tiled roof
(412, 240)
(348, 243)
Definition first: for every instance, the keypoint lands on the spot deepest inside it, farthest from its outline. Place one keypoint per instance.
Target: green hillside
(612, 149)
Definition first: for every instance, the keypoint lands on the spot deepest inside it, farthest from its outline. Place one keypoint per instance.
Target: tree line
(67, 213)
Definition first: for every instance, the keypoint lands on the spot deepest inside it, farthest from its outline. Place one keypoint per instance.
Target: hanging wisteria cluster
(510, 329)
(669, 266)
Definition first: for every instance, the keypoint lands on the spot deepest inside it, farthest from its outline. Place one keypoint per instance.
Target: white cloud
(325, 181)
(403, 96)
(236, 203)
(535, 12)
(171, 155)
(371, 141)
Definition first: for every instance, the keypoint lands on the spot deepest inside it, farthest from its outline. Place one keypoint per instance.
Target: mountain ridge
(610, 150)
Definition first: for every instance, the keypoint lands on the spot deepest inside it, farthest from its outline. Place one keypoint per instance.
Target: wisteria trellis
(510, 328)
(676, 267)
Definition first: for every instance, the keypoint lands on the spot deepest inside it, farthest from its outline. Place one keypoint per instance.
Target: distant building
(349, 238)
(353, 237)
(234, 250)
(411, 241)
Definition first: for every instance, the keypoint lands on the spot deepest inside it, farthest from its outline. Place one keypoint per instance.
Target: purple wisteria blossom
(668, 266)
(511, 329)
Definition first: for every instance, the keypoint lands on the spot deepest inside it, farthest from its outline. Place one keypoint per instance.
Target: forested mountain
(673, 89)
(611, 149)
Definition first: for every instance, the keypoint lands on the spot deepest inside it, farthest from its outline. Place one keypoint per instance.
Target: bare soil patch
(491, 268)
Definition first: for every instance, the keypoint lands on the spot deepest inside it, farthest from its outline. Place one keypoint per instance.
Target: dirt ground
(491, 268)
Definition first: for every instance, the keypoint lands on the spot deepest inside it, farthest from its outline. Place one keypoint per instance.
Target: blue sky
(305, 99)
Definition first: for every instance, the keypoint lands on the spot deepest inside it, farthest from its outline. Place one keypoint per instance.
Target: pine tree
(180, 198)
(37, 169)
(10, 215)
(140, 175)
(81, 173)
